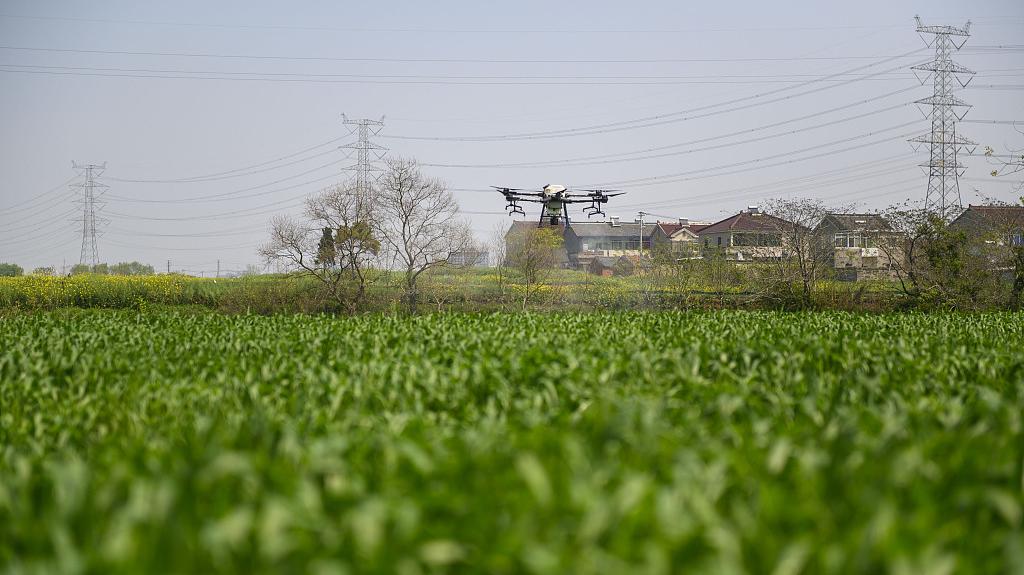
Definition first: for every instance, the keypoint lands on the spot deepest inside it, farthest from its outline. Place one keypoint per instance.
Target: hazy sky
(196, 100)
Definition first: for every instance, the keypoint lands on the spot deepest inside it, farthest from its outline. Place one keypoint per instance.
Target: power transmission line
(825, 179)
(254, 211)
(240, 193)
(13, 208)
(617, 158)
(558, 79)
(671, 117)
(35, 225)
(758, 162)
(1001, 122)
(240, 172)
(397, 80)
(438, 60)
(475, 30)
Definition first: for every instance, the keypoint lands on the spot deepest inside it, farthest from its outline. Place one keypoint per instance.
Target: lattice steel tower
(91, 191)
(367, 152)
(944, 170)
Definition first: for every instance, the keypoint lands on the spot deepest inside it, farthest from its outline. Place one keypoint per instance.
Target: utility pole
(641, 220)
(168, 266)
(944, 171)
(218, 268)
(367, 152)
(89, 199)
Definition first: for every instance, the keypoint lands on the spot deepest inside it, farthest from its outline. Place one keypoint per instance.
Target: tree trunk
(410, 292)
(1018, 277)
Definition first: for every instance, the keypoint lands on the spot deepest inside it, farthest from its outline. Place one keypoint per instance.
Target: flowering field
(724, 442)
(48, 292)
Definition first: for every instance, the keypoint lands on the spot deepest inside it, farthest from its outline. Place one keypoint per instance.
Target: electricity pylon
(90, 191)
(367, 152)
(944, 170)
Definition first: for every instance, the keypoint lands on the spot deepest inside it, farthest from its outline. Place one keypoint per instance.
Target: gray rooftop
(606, 230)
(851, 222)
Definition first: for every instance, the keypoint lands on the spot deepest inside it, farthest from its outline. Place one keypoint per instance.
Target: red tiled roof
(671, 228)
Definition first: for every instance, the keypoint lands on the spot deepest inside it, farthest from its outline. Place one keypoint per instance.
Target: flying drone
(554, 198)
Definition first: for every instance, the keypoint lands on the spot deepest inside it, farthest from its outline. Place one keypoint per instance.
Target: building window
(719, 241)
(853, 239)
(757, 240)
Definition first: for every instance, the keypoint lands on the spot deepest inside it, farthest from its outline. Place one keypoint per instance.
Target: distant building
(860, 246)
(470, 259)
(999, 225)
(750, 235)
(519, 228)
(996, 234)
(679, 239)
(585, 241)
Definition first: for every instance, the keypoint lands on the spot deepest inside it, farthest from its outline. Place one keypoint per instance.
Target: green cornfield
(157, 441)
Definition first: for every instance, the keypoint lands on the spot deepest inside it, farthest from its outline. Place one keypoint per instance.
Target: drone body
(554, 199)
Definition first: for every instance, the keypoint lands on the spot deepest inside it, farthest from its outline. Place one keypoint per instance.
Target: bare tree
(1009, 164)
(499, 257)
(337, 245)
(418, 222)
(533, 252)
(805, 254)
(672, 275)
(1006, 165)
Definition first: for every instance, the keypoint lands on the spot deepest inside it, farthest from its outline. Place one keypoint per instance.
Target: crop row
(594, 443)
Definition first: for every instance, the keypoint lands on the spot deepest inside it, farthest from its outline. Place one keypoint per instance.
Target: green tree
(937, 266)
(101, 269)
(10, 270)
(131, 269)
(326, 254)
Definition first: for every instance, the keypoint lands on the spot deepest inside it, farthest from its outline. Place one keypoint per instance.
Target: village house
(859, 246)
(585, 241)
(996, 234)
(750, 235)
(471, 258)
(998, 225)
(678, 240)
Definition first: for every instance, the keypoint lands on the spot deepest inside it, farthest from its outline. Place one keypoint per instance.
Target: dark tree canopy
(10, 270)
